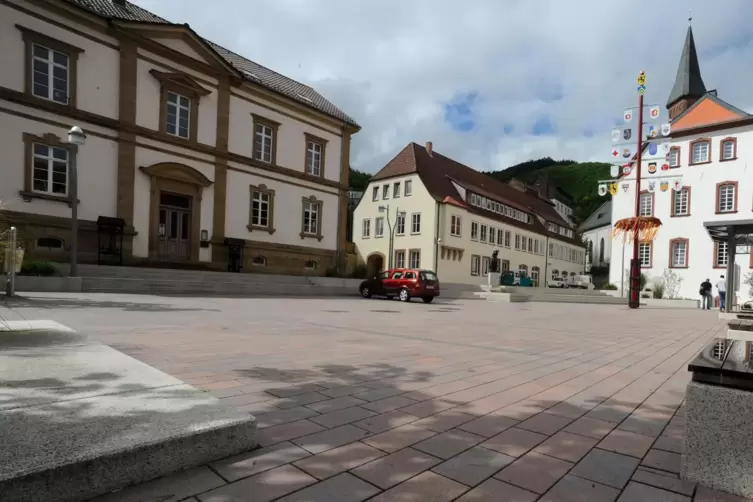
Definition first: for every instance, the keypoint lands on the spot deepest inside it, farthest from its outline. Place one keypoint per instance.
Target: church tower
(689, 86)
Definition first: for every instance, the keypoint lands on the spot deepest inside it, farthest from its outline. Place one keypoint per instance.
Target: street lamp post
(391, 227)
(77, 138)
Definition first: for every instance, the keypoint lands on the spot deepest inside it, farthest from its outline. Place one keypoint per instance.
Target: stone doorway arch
(375, 263)
(176, 179)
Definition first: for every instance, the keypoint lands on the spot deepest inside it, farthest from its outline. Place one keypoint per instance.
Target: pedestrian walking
(721, 287)
(706, 295)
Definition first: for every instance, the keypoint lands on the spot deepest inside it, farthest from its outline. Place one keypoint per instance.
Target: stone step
(554, 291)
(85, 420)
(741, 325)
(543, 298)
(183, 275)
(153, 286)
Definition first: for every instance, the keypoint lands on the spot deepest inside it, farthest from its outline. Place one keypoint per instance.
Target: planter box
(718, 449)
(37, 284)
(19, 260)
(672, 304)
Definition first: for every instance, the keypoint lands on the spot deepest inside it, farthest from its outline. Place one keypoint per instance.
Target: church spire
(689, 84)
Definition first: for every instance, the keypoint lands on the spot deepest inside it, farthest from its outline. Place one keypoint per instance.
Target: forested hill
(579, 179)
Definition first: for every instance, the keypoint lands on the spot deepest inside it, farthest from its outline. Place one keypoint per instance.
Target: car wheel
(366, 292)
(427, 299)
(404, 295)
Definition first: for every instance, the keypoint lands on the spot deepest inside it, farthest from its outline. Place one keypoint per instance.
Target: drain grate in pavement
(336, 311)
(387, 311)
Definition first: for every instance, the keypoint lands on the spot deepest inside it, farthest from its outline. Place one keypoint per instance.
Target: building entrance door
(174, 226)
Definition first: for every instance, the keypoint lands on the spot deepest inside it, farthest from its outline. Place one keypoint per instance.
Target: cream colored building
(425, 210)
(187, 142)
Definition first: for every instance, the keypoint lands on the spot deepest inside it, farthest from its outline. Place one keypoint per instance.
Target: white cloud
(393, 65)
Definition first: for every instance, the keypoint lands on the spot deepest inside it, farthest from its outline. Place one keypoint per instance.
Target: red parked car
(405, 283)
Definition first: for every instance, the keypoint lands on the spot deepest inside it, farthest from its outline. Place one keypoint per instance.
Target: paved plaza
(458, 400)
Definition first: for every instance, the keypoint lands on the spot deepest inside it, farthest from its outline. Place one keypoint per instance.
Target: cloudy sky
(490, 82)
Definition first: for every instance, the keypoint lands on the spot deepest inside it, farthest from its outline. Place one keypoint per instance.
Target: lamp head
(76, 136)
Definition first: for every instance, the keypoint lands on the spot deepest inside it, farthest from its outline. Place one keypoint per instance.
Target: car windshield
(428, 276)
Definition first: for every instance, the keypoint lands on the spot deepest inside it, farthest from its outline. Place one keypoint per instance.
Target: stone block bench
(718, 449)
(740, 329)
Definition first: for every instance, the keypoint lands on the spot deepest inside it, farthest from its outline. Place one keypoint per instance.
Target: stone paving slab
(80, 419)
(575, 403)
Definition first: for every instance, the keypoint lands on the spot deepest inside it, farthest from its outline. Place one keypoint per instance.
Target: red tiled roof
(438, 172)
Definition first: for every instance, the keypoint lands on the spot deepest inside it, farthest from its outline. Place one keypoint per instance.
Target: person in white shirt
(721, 287)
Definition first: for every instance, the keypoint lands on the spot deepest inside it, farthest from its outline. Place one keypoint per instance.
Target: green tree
(359, 180)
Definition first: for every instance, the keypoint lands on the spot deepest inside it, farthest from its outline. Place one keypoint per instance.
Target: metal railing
(8, 248)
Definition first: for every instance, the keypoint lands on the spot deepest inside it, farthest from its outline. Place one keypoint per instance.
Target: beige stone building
(425, 210)
(187, 142)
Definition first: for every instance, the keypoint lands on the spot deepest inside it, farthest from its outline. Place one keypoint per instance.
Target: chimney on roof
(429, 147)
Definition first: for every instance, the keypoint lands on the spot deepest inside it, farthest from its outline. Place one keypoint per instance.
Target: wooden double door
(175, 226)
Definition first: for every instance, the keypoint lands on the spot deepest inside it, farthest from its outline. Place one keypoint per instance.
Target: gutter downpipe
(546, 262)
(436, 242)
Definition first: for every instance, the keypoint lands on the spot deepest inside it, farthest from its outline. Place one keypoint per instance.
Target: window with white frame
(679, 253)
(311, 217)
(375, 194)
(485, 261)
(475, 264)
(726, 198)
(508, 235)
(50, 74)
(500, 237)
(646, 204)
(415, 223)
(728, 149)
(455, 229)
(314, 157)
(674, 157)
(721, 254)
(366, 228)
(400, 259)
(385, 192)
(492, 235)
(700, 152)
(379, 227)
(644, 254)
(681, 202)
(483, 233)
(408, 188)
(261, 202)
(264, 137)
(415, 258)
(474, 230)
(517, 241)
(178, 115)
(400, 224)
(50, 170)
(396, 190)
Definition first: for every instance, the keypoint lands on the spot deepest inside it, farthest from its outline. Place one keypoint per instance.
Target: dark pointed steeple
(689, 84)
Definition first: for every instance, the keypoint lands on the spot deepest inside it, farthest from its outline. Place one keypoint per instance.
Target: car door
(378, 284)
(392, 284)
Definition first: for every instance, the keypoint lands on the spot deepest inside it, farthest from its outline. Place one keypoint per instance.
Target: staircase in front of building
(142, 280)
(554, 295)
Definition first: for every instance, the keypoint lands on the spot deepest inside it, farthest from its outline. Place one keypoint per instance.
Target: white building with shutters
(711, 151)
